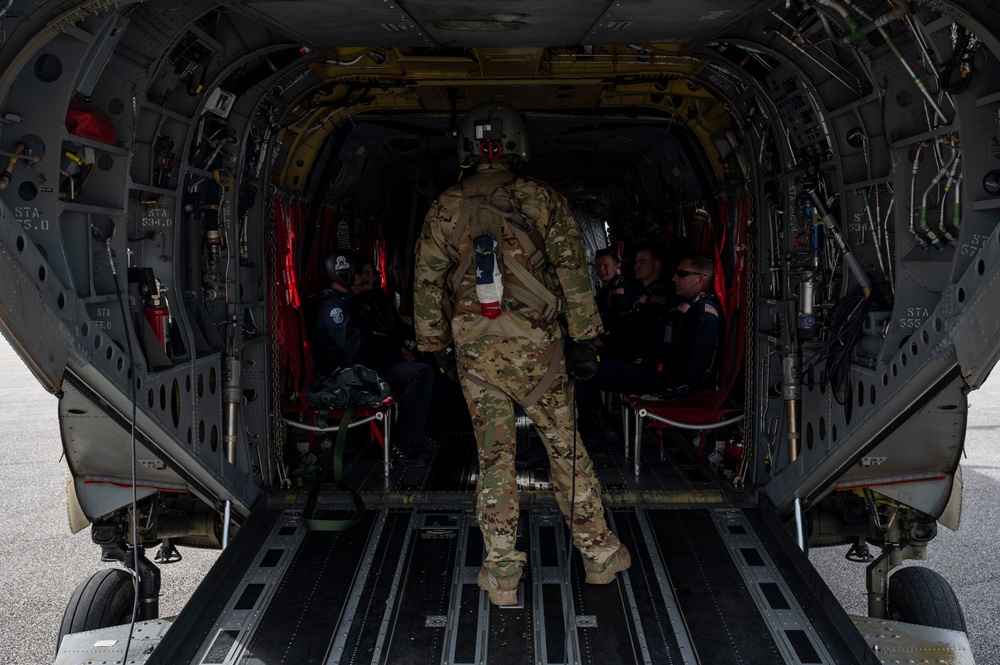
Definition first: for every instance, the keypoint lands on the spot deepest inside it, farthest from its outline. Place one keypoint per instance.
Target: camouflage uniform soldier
(495, 255)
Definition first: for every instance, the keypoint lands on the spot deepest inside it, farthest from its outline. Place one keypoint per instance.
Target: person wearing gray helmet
(501, 273)
(343, 341)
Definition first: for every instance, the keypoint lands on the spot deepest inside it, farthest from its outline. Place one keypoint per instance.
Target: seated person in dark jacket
(373, 306)
(631, 352)
(682, 356)
(616, 295)
(638, 332)
(342, 339)
(694, 330)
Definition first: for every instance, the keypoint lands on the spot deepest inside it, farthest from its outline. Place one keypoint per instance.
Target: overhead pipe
(856, 33)
(894, 14)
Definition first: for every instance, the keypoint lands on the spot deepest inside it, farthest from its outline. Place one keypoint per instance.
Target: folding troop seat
(378, 417)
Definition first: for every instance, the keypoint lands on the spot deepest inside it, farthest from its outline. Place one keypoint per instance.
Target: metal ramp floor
(714, 580)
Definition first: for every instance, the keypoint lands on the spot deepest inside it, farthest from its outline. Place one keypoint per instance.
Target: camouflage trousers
(515, 375)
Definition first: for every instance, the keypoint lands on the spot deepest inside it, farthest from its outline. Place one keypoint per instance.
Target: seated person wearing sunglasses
(694, 329)
(685, 356)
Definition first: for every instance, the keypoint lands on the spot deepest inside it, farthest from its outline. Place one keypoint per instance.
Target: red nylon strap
(377, 434)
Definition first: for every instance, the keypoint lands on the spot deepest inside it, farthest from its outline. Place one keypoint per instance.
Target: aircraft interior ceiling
(840, 158)
(611, 169)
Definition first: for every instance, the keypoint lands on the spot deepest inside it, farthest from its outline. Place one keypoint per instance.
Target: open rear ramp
(715, 579)
(714, 582)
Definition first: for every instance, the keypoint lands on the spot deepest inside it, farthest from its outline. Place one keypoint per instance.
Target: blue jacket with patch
(693, 336)
(342, 340)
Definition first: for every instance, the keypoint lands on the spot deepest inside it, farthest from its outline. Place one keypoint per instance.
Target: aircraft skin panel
(24, 317)
(204, 471)
(898, 468)
(94, 451)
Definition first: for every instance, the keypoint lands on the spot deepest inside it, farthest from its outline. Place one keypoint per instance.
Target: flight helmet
(493, 132)
(342, 266)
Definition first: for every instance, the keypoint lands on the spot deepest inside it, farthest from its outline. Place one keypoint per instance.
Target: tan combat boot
(619, 561)
(501, 592)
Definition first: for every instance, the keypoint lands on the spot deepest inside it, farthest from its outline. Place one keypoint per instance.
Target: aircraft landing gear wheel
(921, 596)
(104, 599)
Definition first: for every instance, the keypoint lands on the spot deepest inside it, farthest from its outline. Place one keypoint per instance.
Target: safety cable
(130, 375)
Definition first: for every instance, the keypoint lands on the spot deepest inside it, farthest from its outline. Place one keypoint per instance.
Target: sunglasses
(687, 273)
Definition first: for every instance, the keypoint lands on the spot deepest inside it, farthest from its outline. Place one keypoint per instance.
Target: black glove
(446, 362)
(581, 359)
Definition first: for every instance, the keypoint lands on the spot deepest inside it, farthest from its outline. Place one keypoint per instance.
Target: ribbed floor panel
(714, 580)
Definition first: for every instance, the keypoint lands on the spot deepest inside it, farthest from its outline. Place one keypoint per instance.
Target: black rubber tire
(921, 596)
(103, 599)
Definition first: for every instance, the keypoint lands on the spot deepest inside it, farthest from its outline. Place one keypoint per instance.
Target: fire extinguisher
(158, 315)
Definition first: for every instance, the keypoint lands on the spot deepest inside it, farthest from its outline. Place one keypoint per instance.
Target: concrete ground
(41, 562)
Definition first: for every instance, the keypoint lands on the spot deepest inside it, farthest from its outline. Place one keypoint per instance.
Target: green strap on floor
(315, 476)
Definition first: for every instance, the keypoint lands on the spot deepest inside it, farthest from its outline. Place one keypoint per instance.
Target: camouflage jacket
(439, 253)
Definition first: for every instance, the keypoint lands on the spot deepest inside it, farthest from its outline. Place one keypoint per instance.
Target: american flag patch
(710, 309)
(618, 292)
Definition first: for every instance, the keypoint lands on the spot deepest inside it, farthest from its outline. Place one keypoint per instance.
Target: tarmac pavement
(41, 563)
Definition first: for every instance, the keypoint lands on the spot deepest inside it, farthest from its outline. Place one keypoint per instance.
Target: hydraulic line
(21, 151)
(791, 392)
(232, 398)
(884, 231)
(774, 267)
(852, 23)
(874, 232)
(893, 14)
(833, 229)
(925, 54)
(913, 183)
(791, 42)
(944, 197)
(925, 228)
(856, 33)
(916, 79)
(956, 220)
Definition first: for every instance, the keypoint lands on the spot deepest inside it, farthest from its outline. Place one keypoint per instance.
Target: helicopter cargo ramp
(715, 579)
